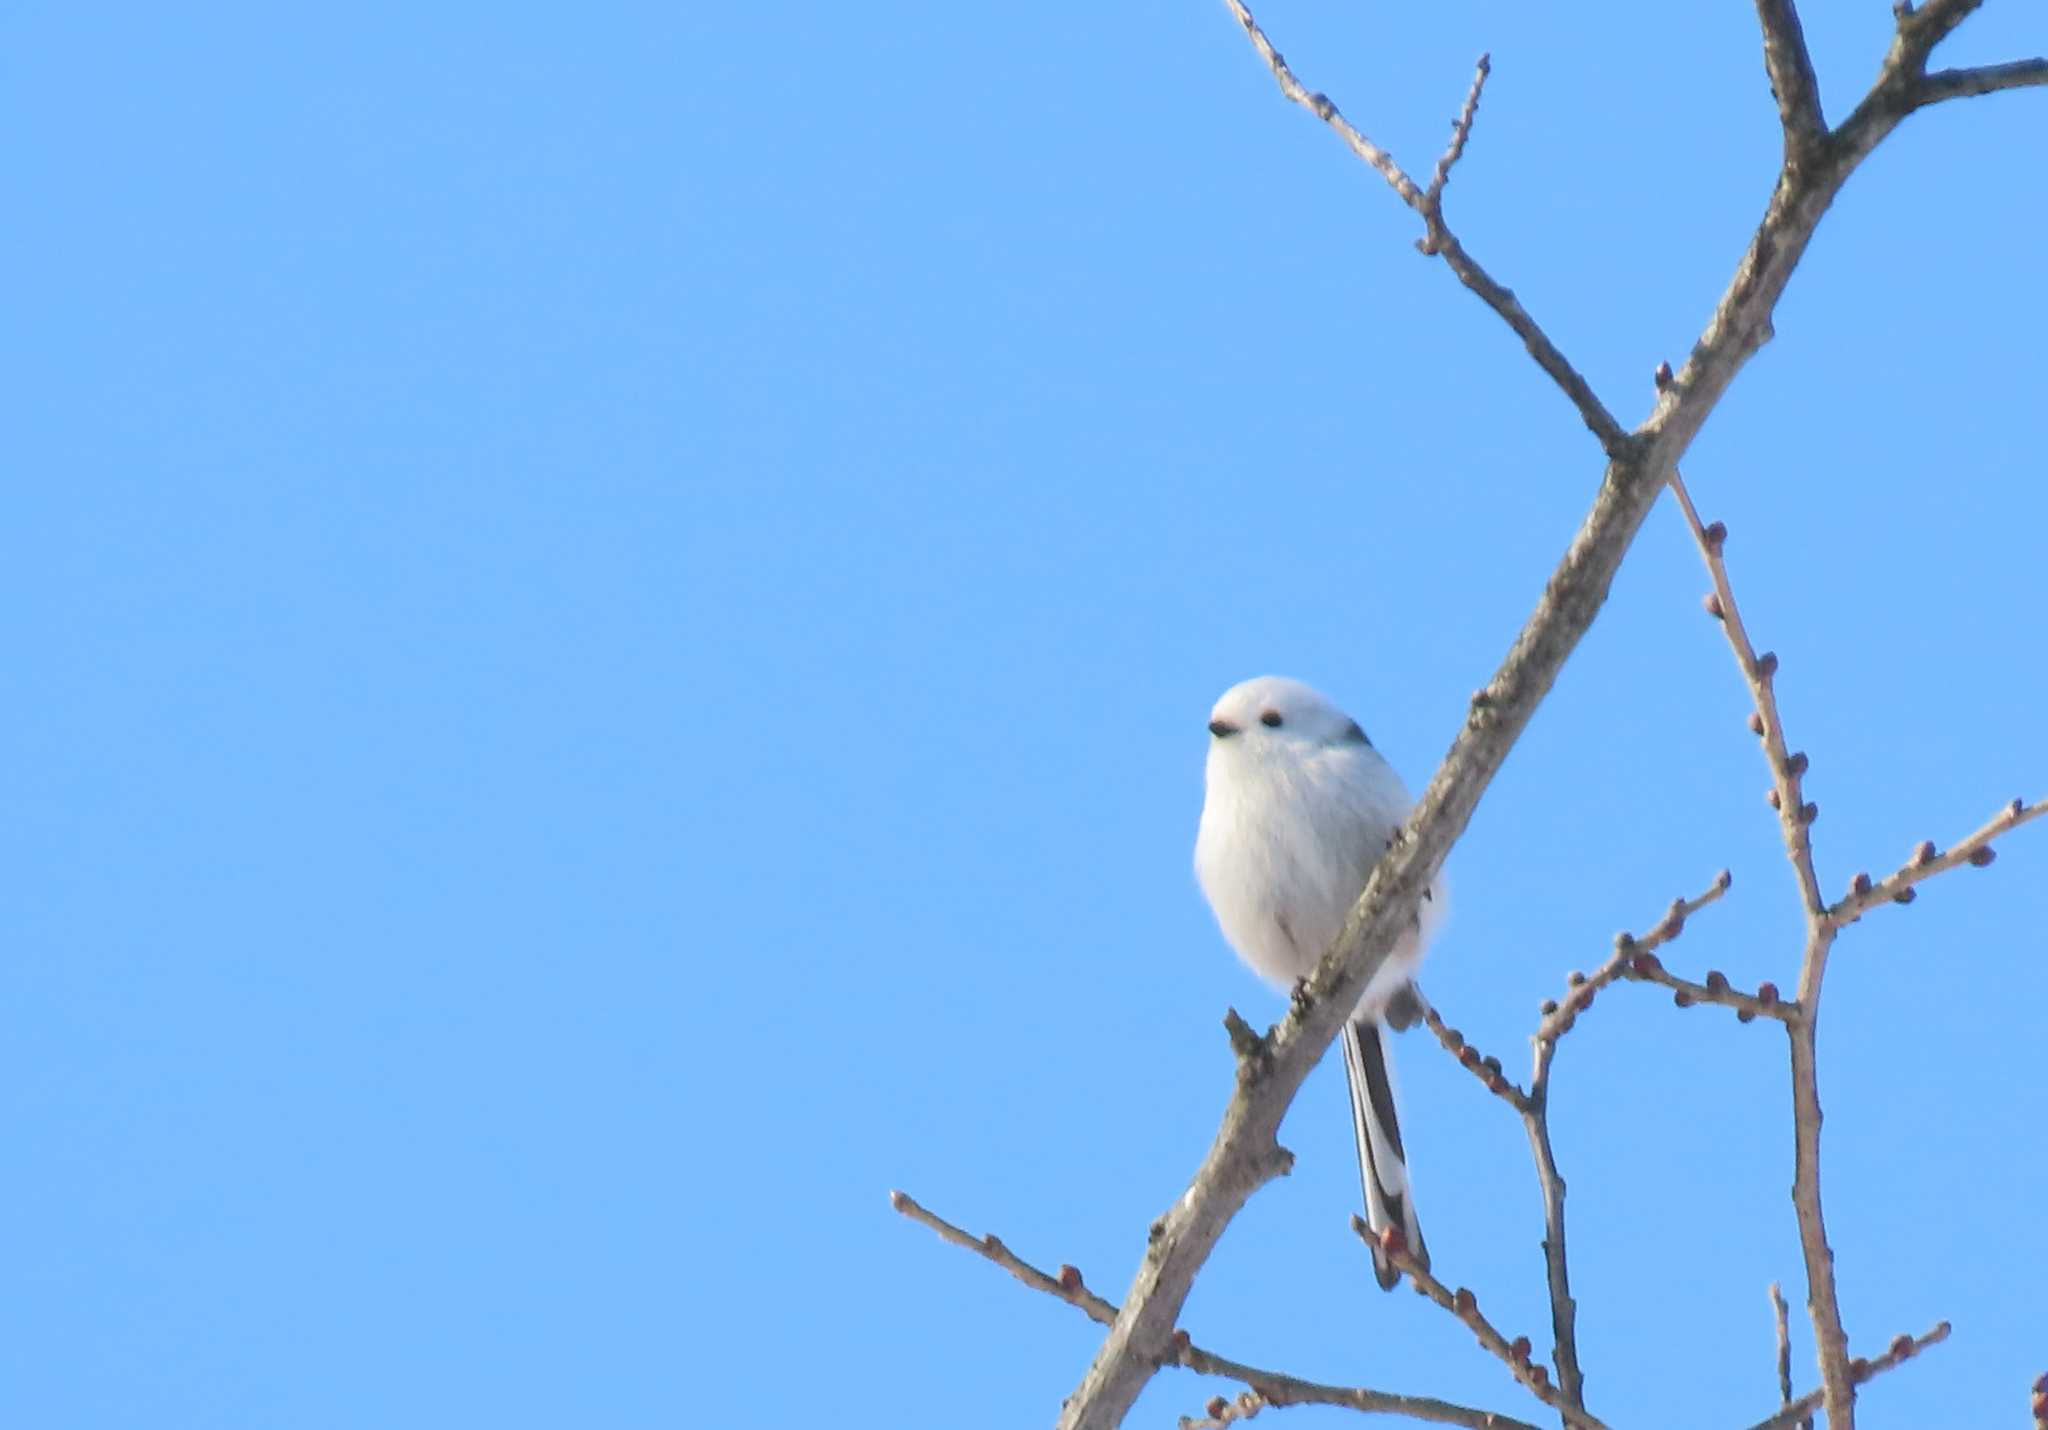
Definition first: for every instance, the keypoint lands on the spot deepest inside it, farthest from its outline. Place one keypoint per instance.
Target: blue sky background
(610, 619)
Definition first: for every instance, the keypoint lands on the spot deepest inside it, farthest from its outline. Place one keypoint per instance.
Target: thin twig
(1560, 1015)
(1486, 1069)
(1924, 863)
(1438, 239)
(1461, 130)
(1763, 1003)
(1534, 1107)
(1795, 814)
(1781, 1314)
(1902, 1349)
(1463, 1304)
(1272, 1387)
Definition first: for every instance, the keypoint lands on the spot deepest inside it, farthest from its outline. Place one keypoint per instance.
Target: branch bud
(1711, 604)
(1647, 965)
(1771, 798)
(1662, 376)
(1923, 853)
(1767, 665)
(1795, 764)
(1905, 896)
(1809, 812)
(1682, 998)
(1756, 724)
(1717, 535)
(1070, 1277)
(1860, 884)
(1717, 981)
(1981, 857)
(1464, 1300)
(1767, 993)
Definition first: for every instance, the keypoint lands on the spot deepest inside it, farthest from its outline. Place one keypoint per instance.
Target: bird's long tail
(1382, 1165)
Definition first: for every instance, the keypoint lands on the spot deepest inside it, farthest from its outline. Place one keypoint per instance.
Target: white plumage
(1298, 809)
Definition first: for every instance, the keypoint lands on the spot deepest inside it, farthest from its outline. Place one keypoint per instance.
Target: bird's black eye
(1271, 719)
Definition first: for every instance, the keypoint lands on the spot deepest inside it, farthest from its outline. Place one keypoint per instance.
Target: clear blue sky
(609, 625)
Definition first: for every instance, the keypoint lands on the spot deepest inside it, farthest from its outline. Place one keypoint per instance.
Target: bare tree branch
(1271, 1387)
(1463, 1304)
(1983, 79)
(1437, 239)
(1902, 1349)
(1793, 84)
(1796, 815)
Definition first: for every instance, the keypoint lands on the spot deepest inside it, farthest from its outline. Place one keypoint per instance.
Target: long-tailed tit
(1299, 808)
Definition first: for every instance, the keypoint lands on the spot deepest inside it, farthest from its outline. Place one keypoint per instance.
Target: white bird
(1298, 810)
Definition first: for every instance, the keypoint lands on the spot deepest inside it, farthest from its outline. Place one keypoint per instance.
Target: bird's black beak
(1222, 729)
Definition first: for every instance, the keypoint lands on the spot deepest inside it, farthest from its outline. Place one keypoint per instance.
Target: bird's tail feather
(1382, 1165)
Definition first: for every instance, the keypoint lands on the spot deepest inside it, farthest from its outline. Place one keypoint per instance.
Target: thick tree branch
(1793, 83)
(1272, 1387)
